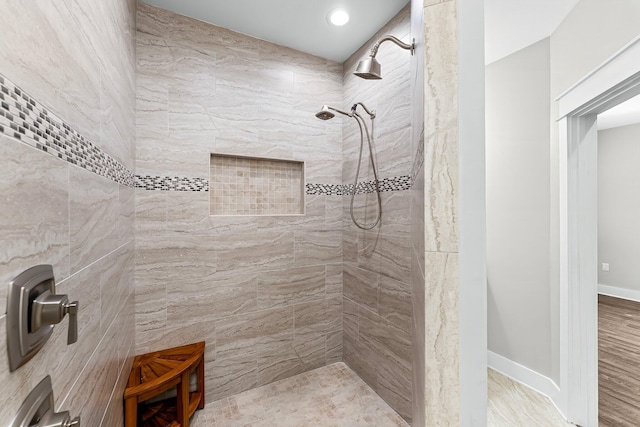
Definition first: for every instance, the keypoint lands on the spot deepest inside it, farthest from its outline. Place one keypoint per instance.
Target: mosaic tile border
(324, 189)
(171, 183)
(25, 119)
(396, 183)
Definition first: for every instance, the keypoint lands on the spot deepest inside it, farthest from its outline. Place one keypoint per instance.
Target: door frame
(613, 82)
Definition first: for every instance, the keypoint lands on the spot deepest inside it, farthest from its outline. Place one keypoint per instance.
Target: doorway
(614, 82)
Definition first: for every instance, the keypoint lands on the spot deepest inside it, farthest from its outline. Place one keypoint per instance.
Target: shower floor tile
(333, 395)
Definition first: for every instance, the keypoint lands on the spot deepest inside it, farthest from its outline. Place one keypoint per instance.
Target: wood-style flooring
(618, 362)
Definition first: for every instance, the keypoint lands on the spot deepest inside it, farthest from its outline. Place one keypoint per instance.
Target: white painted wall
(591, 33)
(517, 117)
(619, 206)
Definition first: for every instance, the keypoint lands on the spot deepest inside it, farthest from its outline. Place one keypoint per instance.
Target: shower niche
(255, 186)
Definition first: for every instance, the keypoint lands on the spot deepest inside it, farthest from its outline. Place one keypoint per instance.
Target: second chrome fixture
(370, 68)
(327, 113)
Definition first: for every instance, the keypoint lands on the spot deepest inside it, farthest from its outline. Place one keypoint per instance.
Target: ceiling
(511, 25)
(298, 24)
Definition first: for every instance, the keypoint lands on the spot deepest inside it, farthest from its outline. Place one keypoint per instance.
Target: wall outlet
(605, 266)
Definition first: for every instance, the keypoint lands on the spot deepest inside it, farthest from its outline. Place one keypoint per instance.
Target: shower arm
(342, 112)
(374, 50)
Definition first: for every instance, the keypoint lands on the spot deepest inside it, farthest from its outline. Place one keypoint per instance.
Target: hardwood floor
(618, 362)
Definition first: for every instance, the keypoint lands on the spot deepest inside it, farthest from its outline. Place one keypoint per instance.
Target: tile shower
(267, 291)
(272, 295)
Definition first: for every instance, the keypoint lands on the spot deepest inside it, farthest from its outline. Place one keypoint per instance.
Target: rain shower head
(327, 113)
(370, 68)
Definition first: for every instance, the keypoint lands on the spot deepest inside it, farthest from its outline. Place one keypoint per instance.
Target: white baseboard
(527, 377)
(623, 293)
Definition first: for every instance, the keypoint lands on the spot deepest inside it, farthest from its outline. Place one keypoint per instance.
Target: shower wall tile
(387, 255)
(440, 108)
(268, 249)
(317, 247)
(391, 343)
(350, 246)
(253, 333)
(94, 213)
(334, 280)
(231, 375)
(235, 293)
(397, 213)
(418, 337)
(62, 203)
(394, 303)
(277, 362)
(171, 162)
(437, 381)
(334, 347)
(366, 367)
(228, 225)
(148, 341)
(116, 285)
(395, 386)
(35, 189)
(150, 302)
(377, 263)
(323, 318)
(441, 311)
(125, 226)
(441, 198)
(361, 286)
(188, 211)
(311, 349)
(291, 286)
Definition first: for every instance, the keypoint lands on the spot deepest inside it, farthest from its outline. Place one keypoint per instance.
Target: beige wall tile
(387, 255)
(35, 190)
(441, 336)
(267, 249)
(394, 303)
(361, 286)
(441, 192)
(317, 247)
(279, 288)
(93, 214)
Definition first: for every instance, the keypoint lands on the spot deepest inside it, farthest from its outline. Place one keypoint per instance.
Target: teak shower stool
(155, 373)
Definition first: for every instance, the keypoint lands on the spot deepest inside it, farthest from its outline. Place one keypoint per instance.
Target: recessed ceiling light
(338, 17)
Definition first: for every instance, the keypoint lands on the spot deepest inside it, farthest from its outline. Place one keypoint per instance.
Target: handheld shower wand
(326, 113)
